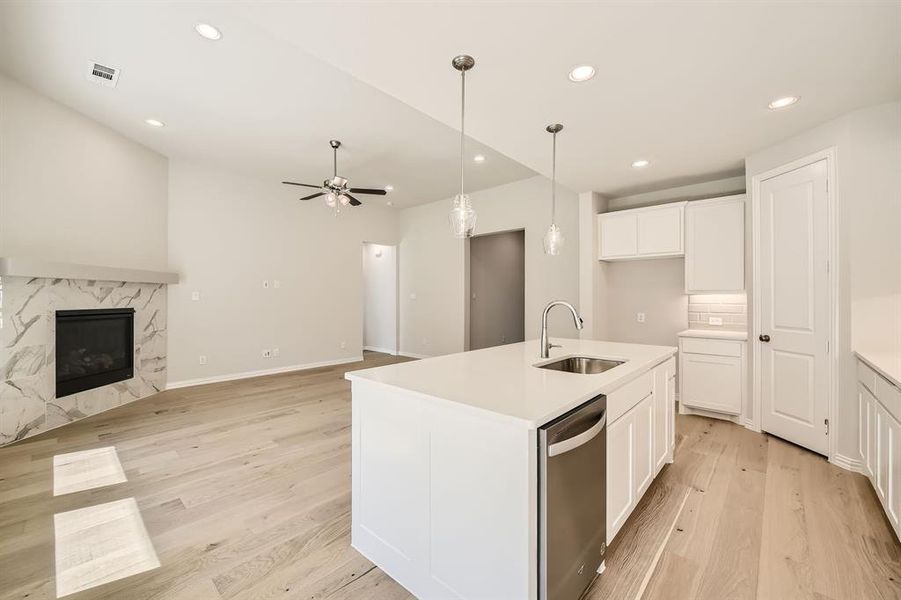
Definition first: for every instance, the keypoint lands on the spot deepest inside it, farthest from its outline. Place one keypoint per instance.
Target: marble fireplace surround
(30, 294)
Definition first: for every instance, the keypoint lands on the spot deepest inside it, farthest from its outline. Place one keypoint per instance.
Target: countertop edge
(715, 334)
(895, 380)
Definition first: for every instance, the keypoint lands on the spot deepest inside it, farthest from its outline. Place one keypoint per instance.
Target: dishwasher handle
(578, 440)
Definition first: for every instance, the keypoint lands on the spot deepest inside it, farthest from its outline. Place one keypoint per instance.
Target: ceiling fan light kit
(337, 194)
(462, 217)
(553, 237)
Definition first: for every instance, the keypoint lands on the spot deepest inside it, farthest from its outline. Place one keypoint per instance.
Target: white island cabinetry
(445, 459)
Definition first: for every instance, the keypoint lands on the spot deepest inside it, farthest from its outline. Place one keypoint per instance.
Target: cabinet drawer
(621, 400)
(714, 347)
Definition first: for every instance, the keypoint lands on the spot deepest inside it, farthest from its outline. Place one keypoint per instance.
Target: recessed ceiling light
(389, 188)
(581, 73)
(208, 31)
(783, 102)
(640, 163)
(479, 158)
(154, 122)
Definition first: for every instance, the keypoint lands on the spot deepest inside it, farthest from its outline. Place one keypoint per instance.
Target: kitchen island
(446, 458)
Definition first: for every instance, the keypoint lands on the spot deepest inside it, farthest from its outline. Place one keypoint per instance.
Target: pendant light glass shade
(553, 237)
(462, 217)
(553, 240)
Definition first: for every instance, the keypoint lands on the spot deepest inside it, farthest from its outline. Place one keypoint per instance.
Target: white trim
(832, 200)
(23, 267)
(414, 355)
(851, 464)
(174, 385)
(379, 349)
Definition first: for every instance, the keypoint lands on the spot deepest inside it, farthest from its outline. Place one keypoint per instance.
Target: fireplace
(93, 348)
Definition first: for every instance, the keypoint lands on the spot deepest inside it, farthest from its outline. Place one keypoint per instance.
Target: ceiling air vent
(102, 74)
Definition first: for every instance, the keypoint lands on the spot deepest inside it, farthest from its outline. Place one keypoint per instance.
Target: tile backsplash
(731, 308)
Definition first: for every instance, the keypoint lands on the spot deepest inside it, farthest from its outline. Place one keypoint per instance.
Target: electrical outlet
(715, 320)
(195, 296)
(275, 352)
(276, 283)
(343, 345)
(267, 353)
(412, 295)
(640, 317)
(203, 359)
(265, 284)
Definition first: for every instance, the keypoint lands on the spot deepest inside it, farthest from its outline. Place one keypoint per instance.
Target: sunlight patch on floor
(85, 470)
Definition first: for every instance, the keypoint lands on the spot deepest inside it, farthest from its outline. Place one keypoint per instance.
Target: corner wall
(73, 190)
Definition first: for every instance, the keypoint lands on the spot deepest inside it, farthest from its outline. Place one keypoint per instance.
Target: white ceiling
(249, 102)
(684, 85)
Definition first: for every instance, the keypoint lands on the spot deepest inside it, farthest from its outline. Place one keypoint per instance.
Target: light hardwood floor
(244, 489)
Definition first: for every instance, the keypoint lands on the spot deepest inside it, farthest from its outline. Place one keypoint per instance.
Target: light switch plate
(640, 317)
(195, 296)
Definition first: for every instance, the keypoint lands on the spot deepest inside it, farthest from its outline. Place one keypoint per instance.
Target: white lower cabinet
(639, 443)
(879, 405)
(713, 374)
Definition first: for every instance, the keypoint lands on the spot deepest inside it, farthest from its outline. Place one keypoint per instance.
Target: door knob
(764, 337)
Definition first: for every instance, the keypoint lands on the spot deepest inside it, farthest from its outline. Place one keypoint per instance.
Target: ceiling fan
(335, 189)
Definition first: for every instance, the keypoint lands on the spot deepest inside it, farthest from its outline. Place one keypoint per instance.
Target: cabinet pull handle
(764, 337)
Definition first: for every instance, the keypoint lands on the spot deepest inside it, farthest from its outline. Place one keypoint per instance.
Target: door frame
(832, 286)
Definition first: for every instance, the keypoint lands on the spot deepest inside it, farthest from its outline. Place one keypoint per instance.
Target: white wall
(432, 264)
(653, 287)
(867, 145)
(380, 298)
(228, 233)
(72, 190)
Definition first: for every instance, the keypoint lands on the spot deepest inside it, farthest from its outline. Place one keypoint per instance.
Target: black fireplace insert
(93, 348)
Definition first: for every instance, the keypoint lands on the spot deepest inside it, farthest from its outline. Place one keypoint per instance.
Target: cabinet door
(864, 419)
(660, 231)
(893, 471)
(644, 442)
(618, 235)
(663, 413)
(883, 445)
(715, 246)
(671, 417)
(620, 487)
(711, 382)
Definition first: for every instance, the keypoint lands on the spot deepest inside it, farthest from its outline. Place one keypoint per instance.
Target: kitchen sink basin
(584, 365)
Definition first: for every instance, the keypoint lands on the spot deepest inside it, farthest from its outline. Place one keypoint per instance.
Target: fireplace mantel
(23, 267)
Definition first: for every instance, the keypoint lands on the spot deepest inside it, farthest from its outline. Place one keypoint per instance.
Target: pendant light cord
(462, 123)
(554, 180)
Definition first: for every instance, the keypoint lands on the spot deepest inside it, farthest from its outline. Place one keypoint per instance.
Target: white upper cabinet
(715, 245)
(653, 232)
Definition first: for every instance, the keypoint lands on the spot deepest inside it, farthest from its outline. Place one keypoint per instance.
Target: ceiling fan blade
(311, 196)
(353, 201)
(309, 185)
(368, 191)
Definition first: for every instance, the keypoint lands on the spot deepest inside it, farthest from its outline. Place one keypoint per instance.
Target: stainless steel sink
(584, 365)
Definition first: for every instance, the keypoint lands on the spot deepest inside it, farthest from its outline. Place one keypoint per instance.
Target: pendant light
(553, 238)
(462, 217)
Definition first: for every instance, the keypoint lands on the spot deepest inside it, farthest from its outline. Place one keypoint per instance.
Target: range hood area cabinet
(639, 233)
(715, 245)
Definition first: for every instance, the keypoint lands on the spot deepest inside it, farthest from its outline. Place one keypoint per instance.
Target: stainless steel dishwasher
(572, 500)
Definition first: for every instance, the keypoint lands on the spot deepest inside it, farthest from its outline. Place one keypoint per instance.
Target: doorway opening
(380, 298)
(497, 289)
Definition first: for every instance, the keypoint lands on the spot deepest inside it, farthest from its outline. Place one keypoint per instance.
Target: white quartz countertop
(503, 380)
(715, 334)
(886, 363)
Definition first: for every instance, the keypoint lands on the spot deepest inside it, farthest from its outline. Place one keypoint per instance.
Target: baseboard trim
(174, 385)
(380, 349)
(851, 464)
(413, 355)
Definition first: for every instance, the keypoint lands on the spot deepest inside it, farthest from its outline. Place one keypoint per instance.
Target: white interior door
(794, 328)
